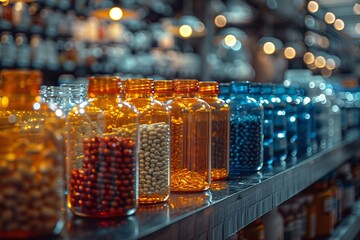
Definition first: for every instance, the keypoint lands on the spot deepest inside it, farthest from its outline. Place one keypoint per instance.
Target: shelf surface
(219, 212)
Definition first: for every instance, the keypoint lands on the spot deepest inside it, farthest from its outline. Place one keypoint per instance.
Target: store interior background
(218, 40)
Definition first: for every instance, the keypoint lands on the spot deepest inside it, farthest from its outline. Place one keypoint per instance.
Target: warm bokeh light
(313, 6)
(269, 48)
(185, 31)
(356, 8)
(330, 64)
(199, 27)
(290, 53)
(309, 58)
(311, 66)
(339, 24)
(320, 62)
(115, 13)
(357, 28)
(326, 72)
(220, 21)
(230, 40)
(329, 18)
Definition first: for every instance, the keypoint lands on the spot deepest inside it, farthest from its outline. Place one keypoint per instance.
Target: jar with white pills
(154, 155)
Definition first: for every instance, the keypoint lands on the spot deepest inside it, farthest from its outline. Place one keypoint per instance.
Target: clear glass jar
(280, 141)
(304, 147)
(291, 120)
(163, 90)
(78, 91)
(220, 129)
(154, 157)
(102, 151)
(190, 139)
(246, 131)
(31, 183)
(60, 97)
(257, 92)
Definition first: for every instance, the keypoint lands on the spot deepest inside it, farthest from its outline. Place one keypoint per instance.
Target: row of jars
(264, 125)
(117, 152)
(133, 142)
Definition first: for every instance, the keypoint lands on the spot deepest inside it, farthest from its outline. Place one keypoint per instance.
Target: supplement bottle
(191, 136)
(102, 153)
(246, 131)
(31, 163)
(154, 156)
(220, 129)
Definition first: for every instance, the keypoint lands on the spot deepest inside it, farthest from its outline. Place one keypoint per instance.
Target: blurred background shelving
(219, 40)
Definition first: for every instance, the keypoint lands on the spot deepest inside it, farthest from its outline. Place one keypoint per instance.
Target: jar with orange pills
(220, 129)
(31, 159)
(163, 90)
(154, 156)
(190, 139)
(102, 146)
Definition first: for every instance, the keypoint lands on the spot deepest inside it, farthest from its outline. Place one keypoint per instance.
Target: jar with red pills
(102, 150)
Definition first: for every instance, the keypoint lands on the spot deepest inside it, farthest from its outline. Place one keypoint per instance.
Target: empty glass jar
(154, 156)
(102, 151)
(220, 129)
(246, 130)
(31, 162)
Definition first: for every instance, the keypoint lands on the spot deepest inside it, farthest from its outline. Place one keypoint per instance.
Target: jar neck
(163, 89)
(186, 87)
(139, 88)
(20, 88)
(103, 86)
(208, 90)
(78, 92)
(240, 88)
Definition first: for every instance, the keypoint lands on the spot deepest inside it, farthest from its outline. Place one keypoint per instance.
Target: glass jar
(154, 157)
(246, 131)
(280, 141)
(31, 196)
(268, 127)
(220, 129)
(102, 151)
(60, 97)
(291, 121)
(190, 139)
(78, 91)
(254, 231)
(304, 146)
(163, 90)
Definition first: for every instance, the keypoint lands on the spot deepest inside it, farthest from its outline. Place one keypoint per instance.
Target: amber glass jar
(190, 139)
(254, 231)
(163, 90)
(220, 129)
(102, 153)
(154, 157)
(325, 212)
(31, 162)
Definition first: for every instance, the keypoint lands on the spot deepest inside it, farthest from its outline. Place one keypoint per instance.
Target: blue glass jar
(304, 147)
(280, 141)
(224, 91)
(268, 124)
(246, 131)
(291, 121)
